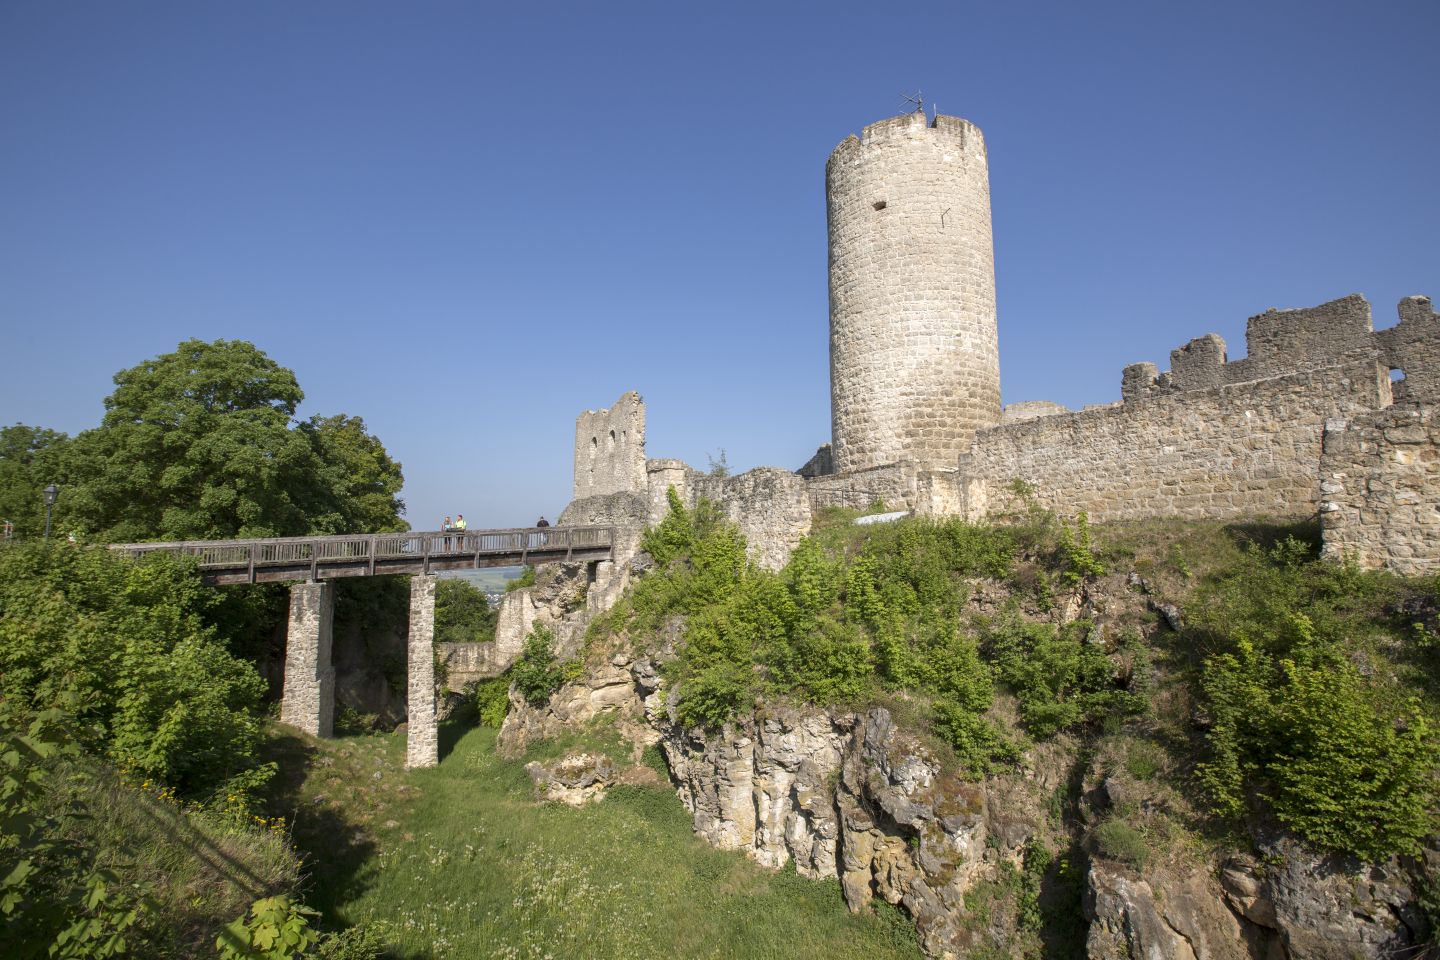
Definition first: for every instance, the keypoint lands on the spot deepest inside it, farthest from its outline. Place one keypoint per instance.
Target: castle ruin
(1324, 414)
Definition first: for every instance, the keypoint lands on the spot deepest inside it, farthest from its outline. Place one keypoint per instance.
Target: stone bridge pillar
(422, 747)
(308, 702)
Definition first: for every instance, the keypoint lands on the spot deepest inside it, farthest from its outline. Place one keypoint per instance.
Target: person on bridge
(447, 526)
(460, 526)
(542, 522)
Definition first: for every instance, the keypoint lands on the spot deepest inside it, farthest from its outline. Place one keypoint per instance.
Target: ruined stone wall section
(1030, 409)
(1237, 450)
(1380, 490)
(771, 507)
(610, 449)
(893, 485)
(914, 355)
(1281, 343)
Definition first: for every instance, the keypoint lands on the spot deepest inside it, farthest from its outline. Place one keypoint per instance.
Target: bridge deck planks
(279, 559)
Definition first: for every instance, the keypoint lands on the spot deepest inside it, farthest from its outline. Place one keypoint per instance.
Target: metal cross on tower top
(918, 100)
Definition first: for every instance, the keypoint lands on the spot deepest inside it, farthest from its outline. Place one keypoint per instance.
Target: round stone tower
(914, 360)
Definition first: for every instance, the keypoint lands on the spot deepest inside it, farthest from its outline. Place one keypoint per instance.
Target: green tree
(462, 613)
(196, 444)
(127, 648)
(361, 483)
(201, 443)
(31, 458)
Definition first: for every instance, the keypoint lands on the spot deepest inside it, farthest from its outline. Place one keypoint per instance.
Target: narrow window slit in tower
(879, 204)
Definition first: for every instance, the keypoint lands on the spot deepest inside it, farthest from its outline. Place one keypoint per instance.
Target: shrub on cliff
(1338, 764)
(1313, 705)
(538, 674)
(1059, 677)
(830, 628)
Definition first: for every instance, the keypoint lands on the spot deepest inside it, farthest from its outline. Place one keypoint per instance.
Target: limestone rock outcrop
(574, 780)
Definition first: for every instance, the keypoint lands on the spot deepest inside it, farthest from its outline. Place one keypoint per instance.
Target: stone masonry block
(308, 701)
(422, 744)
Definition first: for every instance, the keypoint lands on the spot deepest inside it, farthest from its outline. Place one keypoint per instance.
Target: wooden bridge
(310, 563)
(382, 554)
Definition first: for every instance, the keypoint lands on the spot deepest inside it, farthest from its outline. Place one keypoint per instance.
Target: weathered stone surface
(914, 357)
(574, 780)
(1237, 450)
(1380, 490)
(1325, 906)
(610, 449)
(1030, 410)
(422, 743)
(1159, 917)
(308, 702)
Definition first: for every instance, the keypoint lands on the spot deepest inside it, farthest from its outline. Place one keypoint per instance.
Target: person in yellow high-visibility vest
(460, 529)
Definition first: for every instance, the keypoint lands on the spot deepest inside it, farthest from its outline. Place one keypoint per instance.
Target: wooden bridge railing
(396, 552)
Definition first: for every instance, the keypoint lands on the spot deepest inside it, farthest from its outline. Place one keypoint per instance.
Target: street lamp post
(52, 493)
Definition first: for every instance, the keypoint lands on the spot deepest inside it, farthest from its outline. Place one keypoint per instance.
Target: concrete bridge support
(422, 745)
(308, 702)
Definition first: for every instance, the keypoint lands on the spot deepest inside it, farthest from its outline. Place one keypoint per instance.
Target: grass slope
(458, 861)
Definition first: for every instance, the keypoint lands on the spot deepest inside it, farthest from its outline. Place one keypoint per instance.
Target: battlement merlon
(1282, 342)
(963, 134)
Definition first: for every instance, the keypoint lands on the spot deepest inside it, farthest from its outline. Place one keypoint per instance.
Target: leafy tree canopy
(31, 458)
(201, 443)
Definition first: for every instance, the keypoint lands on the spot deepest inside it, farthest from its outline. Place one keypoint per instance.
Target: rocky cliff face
(857, 797)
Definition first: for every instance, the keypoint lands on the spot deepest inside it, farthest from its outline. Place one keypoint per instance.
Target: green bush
(1341, 766)
(277, 928)
(538, 674)
(1117, 840)
(492, 701)
(1307, 708)
(155, 691)
(1059, 678)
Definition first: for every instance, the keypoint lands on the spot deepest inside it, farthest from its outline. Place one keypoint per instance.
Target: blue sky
(467, 222)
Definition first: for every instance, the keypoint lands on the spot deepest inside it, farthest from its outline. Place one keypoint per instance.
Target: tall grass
(458, 861)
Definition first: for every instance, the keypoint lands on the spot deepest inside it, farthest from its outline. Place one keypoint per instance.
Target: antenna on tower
(918, 100)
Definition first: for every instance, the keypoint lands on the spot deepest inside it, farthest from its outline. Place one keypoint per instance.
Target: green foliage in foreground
(276, 928)
(459, 861)
(1347, 761)
(128, 644)
(92, 862)
(56, 896)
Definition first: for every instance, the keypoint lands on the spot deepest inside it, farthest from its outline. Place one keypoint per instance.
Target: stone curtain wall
(893, 485)
(771, 506)
(1237, 450)
(1283, 342)
(610, 448)
(914, 357)
(1380, 490)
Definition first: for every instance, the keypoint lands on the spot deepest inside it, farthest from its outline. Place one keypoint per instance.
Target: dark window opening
(879, 204)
